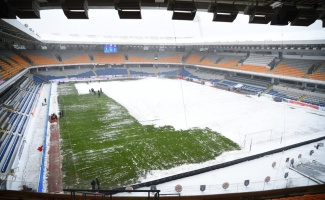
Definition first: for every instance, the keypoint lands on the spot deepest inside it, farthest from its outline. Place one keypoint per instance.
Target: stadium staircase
(318, 68)
(218, 60)
(129, 73)
(313, 69)
(91, 57)
(24, 57)
(185, 56)
(156, 72)
(40, 78)
(203, 57)
(309, 70)
(94, 71)
(276, 62)
(234, 66)
(65, 74)
(301, 98)
(58, 57)
(268, 89)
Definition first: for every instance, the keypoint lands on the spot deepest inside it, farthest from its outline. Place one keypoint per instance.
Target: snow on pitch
(244, 119)
(185, 105)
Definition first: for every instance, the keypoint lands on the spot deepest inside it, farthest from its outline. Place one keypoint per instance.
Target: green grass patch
(101, 139)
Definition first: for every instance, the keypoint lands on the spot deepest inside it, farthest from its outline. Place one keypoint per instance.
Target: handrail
(103, 193)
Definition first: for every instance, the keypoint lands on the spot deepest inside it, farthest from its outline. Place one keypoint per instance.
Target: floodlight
(25, 9)
(128, 9)
(305, 17)
(284, 15)
(259, 14)
(75, 9)
(223, 12)
(182, 10)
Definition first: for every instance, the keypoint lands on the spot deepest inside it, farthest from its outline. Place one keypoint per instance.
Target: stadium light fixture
(25, 9)
(284, 15)
(322, 17)
(305, 17)
(223, 12)
(128, 9)
(259, 14)
(75, 9)
(182, 10)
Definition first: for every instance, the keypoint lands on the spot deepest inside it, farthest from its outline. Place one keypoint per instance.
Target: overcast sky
(156, 25)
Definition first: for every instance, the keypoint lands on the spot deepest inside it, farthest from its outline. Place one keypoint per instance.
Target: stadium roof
(61, 21)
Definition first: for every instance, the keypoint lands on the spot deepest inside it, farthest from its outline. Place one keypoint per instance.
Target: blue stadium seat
(8, 158)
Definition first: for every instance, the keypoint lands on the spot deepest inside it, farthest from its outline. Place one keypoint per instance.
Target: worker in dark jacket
(93, 184)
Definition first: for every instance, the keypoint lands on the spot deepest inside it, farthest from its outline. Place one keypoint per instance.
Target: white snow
(243, 119)
(28, 166)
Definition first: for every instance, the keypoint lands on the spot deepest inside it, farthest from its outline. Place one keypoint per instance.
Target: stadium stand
(259, 60)
(227, 62)
(9, 66)
(319, 74)
(141, 57)
(111, 71)
(256, 63)
(20, 61)
(206, 74)
(16, 104)
(74, 57)
(168, 70)
(253, 68)
(41, 57)
(194, 58)
(250, 80)
(284, 94)
(293, 67)
(52, 73)
(319, 101)
(210, 59)
(75, 72)
(104, 58)
(169, 57)
(142, 70)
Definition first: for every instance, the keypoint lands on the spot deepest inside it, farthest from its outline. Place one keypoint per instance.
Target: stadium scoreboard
(110, 48)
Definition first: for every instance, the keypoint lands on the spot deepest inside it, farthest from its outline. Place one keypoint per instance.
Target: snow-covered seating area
(16, 107)
(284, 94)
(253, 81)
(111, 71)
(260, 60)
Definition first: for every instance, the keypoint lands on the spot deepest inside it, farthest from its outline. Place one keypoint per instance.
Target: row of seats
(260, 60)
(8, 148)
(284, 94)
(257, 82)
(86, 72)
(287, 67)
(10, 67)
(206, 74)
(225, 84)
(253, 68)
(111, 71)
(318, 101)
(285, 70)
(17, 104)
